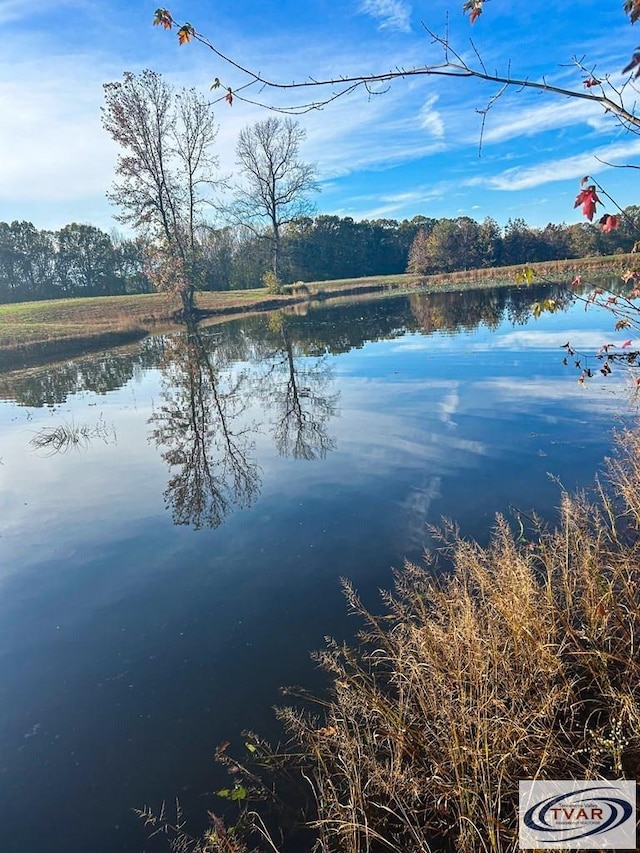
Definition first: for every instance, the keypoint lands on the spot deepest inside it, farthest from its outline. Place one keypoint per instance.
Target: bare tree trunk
(277, 184)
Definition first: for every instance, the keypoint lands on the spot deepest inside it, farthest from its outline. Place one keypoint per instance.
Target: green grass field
(52, 324)
(36, 332)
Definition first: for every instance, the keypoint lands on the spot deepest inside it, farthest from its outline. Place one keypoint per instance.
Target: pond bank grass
(520, 661)
(33, 333)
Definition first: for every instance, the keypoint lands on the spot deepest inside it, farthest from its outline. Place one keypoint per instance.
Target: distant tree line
(77, 260)
(445, 245)
(310, 249)
(82, 260)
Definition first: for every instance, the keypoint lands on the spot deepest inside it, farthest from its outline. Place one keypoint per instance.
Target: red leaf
(625, 345)
(229, 97)
(609, 222)
(185, 33)
(591, 82)
(163, 19)
(222, 748)
(588, 199)
(474, 8)
(576, 281)
(632, 8)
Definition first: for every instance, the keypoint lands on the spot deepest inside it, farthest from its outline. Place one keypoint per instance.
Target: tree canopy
(165, 172)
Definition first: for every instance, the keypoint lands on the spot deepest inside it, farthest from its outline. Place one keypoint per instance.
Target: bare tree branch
(453, 65)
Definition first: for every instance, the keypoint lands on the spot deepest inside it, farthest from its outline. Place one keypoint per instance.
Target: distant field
(36, 332)
(57, 322)
(61, 326)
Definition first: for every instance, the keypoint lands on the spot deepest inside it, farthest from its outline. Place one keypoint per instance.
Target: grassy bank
(520, 662)
(38, 332)
(523, 663)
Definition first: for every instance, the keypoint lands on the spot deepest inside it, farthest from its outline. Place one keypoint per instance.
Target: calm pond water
(162, 578)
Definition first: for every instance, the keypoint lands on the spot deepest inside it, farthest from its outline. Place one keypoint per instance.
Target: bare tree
(277, 184)
(203, 435)
(165, 175)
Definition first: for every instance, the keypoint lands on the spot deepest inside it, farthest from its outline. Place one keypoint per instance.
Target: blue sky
(413, 150)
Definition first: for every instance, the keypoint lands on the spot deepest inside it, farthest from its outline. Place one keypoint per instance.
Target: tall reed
(520, 661)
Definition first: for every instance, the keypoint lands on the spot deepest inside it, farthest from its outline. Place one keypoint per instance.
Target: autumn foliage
(473, 8)
(632, 8)
(587, 199)
(609, 222)
(163, 19)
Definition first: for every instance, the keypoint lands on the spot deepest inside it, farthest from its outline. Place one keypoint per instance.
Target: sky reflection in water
(289, 451)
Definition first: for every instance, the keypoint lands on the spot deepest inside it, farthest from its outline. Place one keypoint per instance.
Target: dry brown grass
(520, 662)
(491, 276)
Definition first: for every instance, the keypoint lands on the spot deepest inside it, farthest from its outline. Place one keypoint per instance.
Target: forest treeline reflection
(223, 388)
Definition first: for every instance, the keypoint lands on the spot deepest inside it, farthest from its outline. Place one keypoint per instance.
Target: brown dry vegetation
(521, 662)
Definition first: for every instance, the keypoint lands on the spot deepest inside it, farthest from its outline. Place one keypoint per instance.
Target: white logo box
(575, 814)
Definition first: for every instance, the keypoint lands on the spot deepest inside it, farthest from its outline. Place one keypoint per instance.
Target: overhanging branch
(600, 92)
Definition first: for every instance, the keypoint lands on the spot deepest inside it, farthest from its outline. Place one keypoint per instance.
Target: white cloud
(11, 10)
(535, 120)
(375, 135)
(430, 119)
(588, 397)
(384, 205)
(580, 339)
(449, 406)
(53, 146)
(16, 10)
(392, 14)
(566, 168)
(416, 511)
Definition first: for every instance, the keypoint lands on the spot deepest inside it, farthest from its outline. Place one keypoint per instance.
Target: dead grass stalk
(521, 663)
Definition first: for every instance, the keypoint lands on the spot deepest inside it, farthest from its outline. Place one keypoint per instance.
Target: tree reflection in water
(297, 390)
(202, 427)
(205, 439)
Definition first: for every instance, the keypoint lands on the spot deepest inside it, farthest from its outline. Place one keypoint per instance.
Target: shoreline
(34, 334)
